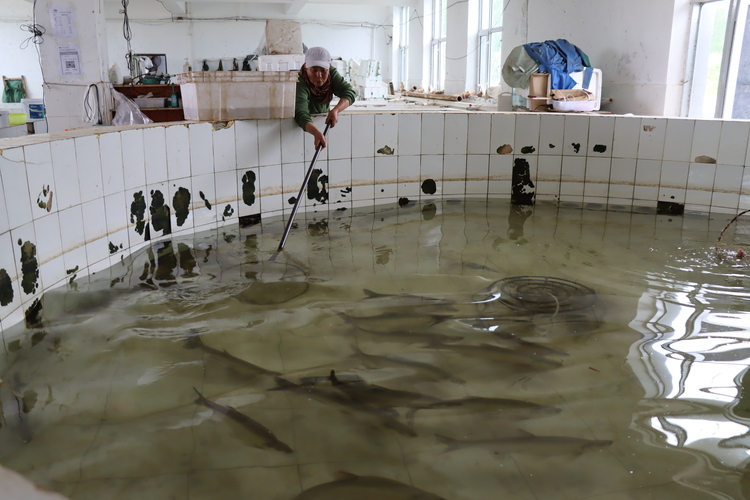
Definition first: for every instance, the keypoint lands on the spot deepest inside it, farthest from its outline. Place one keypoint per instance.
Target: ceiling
(286, 7)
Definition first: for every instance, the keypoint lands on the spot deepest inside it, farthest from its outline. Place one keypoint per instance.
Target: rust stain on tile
(704, 159)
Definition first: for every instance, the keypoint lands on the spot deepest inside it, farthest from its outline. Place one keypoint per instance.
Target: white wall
(16, 62)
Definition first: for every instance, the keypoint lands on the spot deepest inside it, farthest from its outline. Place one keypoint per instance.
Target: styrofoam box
(237, 95)
(285, 62)
(4, 118)
(34, 109)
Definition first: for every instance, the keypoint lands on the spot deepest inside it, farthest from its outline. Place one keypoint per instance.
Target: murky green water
(479, 351)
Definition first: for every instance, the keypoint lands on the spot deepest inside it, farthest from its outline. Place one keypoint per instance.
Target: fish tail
(201, 400)
(450, 442)
(282, 383)
(333, 379)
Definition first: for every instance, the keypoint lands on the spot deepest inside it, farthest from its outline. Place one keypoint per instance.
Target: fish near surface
(497, 354)
(257, 434)
(195, 342)
(425, 371)
(528, 444)
(385, 417)
(378, 396)
(511, 409)
(353, 487)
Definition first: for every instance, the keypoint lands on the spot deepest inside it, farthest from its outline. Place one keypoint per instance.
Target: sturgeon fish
(379, 396)
(195, 342)
(350, 486)
(497, 354)
(425, 371)
(529, 444)
(258, 435)
(512, 409)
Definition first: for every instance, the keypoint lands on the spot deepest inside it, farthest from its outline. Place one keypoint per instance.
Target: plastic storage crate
(237, 95)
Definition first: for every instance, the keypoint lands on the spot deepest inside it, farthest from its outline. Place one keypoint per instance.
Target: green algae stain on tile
(29, 267)
(6, 288)
(203, 197)
(248, 188)
(33, 314)
(314, 191)
(181, 204)
(187, 260)
(138, 212)
(113, 249)
(160, 213)
(228, 212)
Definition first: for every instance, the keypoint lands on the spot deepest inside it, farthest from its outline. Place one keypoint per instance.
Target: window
(490, 42)
(403, 44)
(437, 46)
(718, 81)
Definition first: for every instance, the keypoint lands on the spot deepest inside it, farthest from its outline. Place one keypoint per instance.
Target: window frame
(438, 41)
(403, 45)
(484, 38)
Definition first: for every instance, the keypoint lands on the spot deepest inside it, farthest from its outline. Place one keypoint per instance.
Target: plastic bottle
(173, 100)
(186, 68)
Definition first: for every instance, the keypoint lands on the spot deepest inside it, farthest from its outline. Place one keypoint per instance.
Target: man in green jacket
(318, 82)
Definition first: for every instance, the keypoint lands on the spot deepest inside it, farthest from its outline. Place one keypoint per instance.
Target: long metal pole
(301, 193)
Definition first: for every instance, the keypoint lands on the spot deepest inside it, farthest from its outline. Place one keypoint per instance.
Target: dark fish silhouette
(528, 444)
(424, 371)
(195, 342)
(511, 409)
(379, 396)
(257, 435)
(495, 354)
(353, 487)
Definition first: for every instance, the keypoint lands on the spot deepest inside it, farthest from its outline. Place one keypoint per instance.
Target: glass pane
(712, 26)
(741, 101)
(443, 19)
(484, 14)
(497, 13)
(484, 59)
(496, 61)
(442, 66)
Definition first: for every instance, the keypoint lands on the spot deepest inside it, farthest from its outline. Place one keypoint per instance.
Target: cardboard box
(237, 95)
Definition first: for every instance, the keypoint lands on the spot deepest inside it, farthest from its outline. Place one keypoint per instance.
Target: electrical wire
(127, 34)
(92, 110)
(37, 34)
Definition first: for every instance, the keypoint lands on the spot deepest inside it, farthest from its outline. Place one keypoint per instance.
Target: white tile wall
(733, 142)
(576, 138)
(8, 258)
(706, 138)
(21, 235)
(133, 158)
(225, 148)
(363, 136)
(651, 140)
(678, 139)
(646, 165)
(179, 186)
(551, 133)
(178, 152)
(480, 127)
(409, 134)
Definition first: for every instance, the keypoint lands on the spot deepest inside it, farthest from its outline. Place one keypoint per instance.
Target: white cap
(318, 56)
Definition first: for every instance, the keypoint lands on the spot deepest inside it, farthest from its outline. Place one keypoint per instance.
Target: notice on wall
(70, 60)
(63, 20)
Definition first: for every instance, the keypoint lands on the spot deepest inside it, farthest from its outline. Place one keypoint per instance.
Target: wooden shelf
(158, 115)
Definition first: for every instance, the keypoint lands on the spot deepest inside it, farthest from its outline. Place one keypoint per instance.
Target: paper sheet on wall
(70, 60)
(63, 20)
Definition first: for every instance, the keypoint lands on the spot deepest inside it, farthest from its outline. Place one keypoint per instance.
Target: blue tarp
(559, 58)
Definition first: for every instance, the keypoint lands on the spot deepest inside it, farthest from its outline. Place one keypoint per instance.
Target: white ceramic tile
(678, 139)
(727, 186)
(225, 148)
(72, 234)
(454, 174)
(700, 183)
(246, 146)
(110, 150)
(456, 134)
(270, 181)
(269, 142)
(648, 173)
(548, 177)
(4, 225)
(651, 140)
(273, 205)
(292, 177)
(20, 237)
(363, 136)
(133, 160)
(527, 134)
(733, 143)
(551, 132)
(155, 149)
(477, 172)
(292, 142)
(40, 175)
(339, 141)
(745, 195)
(674, 176)
(248, 181)
(409, 168)
(706, 138)
(597, 177)
(503, 131)
(431, 168)
(572, 176)
(203, 207)
(340, 182)
(575, 139)
(8, 267)
(66, 173)
(224, 204)
(117, 210)
(433, 130)
(501, 171)
(48, 240)
(178, 151)
(409, 134)
(627, 134)
(601, 136)
(480, 127)
(386, 134)
(363, 179)
(15, 187)
(386, 177)
(201, 148)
